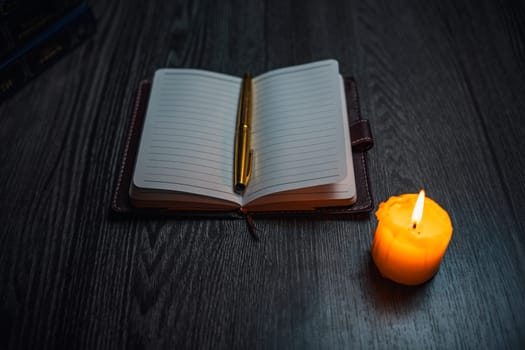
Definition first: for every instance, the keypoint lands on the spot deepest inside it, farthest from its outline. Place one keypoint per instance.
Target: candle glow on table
(411, 238)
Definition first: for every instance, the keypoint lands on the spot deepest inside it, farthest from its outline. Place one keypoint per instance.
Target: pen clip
(248, 169)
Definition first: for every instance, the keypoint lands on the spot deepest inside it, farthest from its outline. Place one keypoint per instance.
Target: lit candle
(411, 238)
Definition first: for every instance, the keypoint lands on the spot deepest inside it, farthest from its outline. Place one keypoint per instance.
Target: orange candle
(411, 238)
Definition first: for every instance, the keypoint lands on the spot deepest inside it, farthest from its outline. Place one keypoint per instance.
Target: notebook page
(297, 129)
(342, 190)
(187, 139)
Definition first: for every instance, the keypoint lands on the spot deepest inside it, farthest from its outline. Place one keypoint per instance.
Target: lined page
(188, 135)
(312, 197)
(297, 129)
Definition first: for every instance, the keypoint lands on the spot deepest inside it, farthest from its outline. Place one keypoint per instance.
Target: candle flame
(418, 209)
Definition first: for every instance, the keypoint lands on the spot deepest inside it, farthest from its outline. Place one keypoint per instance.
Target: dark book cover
(45, 49)
(22, 20)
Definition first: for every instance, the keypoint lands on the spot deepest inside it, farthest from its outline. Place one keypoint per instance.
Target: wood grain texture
(442, 84)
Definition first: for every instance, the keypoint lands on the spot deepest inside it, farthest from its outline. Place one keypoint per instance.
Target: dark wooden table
(443, 84)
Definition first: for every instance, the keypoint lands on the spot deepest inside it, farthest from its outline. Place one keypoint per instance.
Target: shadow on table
(389, 296)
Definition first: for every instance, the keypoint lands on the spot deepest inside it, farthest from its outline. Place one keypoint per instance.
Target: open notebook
(178, 157)
(301, 142)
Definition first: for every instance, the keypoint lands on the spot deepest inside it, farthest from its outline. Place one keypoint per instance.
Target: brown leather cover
(360, 135)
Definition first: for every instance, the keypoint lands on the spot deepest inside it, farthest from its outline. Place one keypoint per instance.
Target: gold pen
(243, 154)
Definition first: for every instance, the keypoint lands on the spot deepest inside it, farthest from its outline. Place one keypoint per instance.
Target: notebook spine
(45, 49)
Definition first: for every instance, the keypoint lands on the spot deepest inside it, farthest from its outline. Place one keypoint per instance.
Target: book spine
(45, 50)
(7, 7)
(20, 21)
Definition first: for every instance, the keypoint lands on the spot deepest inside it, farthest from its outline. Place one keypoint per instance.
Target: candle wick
(414, 225)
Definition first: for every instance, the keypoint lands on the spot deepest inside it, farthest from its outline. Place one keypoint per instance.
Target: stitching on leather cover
(357, 110)
(367, 138)
(363, 179)
(361, 139)
(128, 142)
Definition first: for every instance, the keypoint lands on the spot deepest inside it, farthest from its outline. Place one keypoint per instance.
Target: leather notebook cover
(360, 134)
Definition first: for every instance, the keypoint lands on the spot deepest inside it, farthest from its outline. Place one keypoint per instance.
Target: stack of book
(35, 34)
